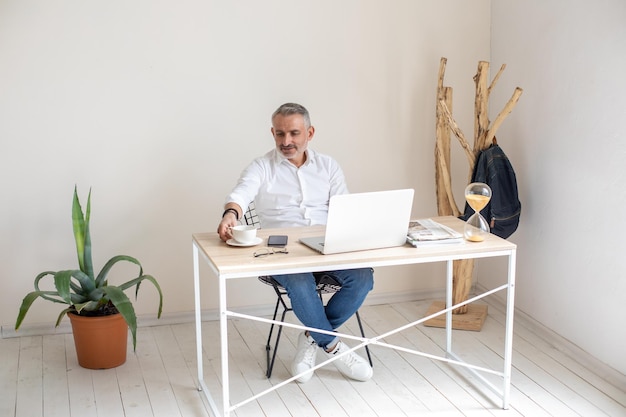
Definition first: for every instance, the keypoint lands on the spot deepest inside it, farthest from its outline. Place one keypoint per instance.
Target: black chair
(325, 284)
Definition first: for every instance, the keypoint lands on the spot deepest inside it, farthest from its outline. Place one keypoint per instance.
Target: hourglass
(477, 195)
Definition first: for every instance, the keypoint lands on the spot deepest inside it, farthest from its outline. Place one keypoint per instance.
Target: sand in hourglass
(477, 202)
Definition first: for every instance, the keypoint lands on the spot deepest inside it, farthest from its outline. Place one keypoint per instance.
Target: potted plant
(91, 300)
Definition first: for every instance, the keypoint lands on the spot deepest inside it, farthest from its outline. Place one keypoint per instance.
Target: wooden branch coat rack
(468, 317)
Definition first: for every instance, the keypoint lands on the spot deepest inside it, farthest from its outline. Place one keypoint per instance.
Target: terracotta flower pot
(100, 341)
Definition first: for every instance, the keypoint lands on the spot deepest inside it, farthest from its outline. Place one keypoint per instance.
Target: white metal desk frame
(450, 357)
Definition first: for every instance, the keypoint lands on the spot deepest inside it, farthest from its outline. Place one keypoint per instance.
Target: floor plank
(132, 386)
(156, 379)
(80, 384)
(9, 360)
(56, 393)
(29, 377)
(178, 372)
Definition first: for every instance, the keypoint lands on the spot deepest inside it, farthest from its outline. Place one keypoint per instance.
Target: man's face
(292, 136)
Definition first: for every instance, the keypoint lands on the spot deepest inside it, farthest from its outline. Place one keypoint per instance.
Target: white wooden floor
(39, 375)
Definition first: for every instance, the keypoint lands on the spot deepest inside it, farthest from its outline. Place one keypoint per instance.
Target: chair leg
(367, 348)
(269, 337)
(268, 347)
(270, 364)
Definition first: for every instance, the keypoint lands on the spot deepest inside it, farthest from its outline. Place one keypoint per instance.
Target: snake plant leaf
(88, 305)
(28, 301)
(75, 287)
(88, 260)
(86, 282)
(80, 223)
(79, 299)
(61, 315)
(47, 295)
(137, 281)
(98, 294)
(125, 307)
(41, 276)
(62, 284)
(102, 275)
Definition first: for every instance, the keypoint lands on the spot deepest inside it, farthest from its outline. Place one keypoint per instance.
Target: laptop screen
(369, 220)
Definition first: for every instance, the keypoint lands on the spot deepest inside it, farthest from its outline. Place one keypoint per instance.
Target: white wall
(567, 141)
(159, 105)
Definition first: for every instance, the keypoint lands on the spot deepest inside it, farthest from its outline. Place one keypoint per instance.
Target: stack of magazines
(426, 232)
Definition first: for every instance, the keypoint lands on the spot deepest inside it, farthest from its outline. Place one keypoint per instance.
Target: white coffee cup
(243, 234)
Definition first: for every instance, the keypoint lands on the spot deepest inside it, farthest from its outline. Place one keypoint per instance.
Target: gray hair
(288, 109)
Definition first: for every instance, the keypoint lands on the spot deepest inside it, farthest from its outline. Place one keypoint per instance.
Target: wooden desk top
(237, 262)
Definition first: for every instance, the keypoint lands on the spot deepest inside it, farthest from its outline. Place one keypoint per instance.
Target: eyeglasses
(269, 251)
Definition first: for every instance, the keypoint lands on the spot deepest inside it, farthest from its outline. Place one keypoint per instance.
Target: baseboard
(41, 329)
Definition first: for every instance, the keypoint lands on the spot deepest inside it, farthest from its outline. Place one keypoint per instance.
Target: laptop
(364, 221)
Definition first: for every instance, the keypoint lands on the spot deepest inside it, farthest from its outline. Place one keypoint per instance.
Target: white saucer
(233, 242)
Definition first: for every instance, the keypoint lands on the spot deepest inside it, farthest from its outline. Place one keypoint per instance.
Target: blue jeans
(309, 309)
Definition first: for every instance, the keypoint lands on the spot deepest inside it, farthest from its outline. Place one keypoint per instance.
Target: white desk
(232, 263)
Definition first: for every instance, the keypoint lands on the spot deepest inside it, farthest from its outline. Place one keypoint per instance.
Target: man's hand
(229, 220)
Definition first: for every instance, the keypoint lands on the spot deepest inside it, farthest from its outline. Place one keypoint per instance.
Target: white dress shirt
(285, 195)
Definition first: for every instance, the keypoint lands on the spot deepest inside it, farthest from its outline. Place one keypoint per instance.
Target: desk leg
(449, 285)
(224, 347)
(508, 338)
(198, 313)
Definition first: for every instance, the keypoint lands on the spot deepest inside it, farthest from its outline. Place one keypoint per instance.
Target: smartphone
(277, 241)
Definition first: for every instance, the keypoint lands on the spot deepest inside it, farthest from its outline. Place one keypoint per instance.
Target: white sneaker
(351, 365)
(305, 357)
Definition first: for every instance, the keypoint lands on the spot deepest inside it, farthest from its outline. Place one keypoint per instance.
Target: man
(291, 186)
